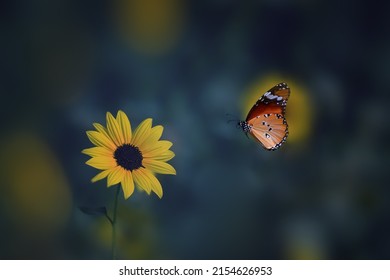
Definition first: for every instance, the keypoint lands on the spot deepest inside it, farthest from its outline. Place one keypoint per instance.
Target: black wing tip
(283, 85)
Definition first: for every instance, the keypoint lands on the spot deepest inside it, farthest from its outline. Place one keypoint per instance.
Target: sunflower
(131, 159)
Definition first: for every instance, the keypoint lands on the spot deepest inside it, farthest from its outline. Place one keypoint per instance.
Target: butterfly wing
(270, 131)
(267, 120)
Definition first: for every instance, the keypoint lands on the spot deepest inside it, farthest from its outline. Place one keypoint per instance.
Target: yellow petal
(158, 166)
(127, 185)
(124, 125)
(154, 183)
(157, 148)
(138, 187)
(116, 176)
(97, 151)
(163, 156)
(102, 162)
(141, 180)
(101, 129)
(154, 136)
(101, 175)
(114, 129)
(142, 132)
(100, 140)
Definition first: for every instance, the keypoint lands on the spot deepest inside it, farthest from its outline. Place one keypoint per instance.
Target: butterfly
(266, 121)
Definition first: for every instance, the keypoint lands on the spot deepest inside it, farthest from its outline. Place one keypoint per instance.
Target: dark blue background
(323, 195)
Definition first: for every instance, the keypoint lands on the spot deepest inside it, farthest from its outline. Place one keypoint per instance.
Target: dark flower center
(129, 157)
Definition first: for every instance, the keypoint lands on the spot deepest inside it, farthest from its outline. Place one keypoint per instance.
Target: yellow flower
(150, 26)
(129, 158)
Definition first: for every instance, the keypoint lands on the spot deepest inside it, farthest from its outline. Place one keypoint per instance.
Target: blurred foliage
(186, 64)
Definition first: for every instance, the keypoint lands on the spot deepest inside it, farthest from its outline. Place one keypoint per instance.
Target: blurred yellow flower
(129, 158)
(150, 26)
(39, 202)
(301, 250)
(299, 113)
(137, 237)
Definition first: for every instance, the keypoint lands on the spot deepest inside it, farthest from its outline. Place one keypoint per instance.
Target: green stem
(113, 223)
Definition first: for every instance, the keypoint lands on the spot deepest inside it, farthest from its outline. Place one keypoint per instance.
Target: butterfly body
(266, 120)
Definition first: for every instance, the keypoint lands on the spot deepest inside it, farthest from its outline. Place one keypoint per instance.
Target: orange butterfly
(266, 121)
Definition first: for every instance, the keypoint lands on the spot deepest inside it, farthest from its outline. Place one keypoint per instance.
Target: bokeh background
(324, 195)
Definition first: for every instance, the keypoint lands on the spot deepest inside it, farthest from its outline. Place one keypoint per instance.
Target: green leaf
(94, 211)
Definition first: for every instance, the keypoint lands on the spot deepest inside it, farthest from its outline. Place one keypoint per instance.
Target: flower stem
(113, 224)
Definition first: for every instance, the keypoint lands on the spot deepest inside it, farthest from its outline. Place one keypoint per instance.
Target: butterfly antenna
(232, 120)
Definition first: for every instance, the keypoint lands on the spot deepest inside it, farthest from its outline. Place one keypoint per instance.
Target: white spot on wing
(272, 97)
